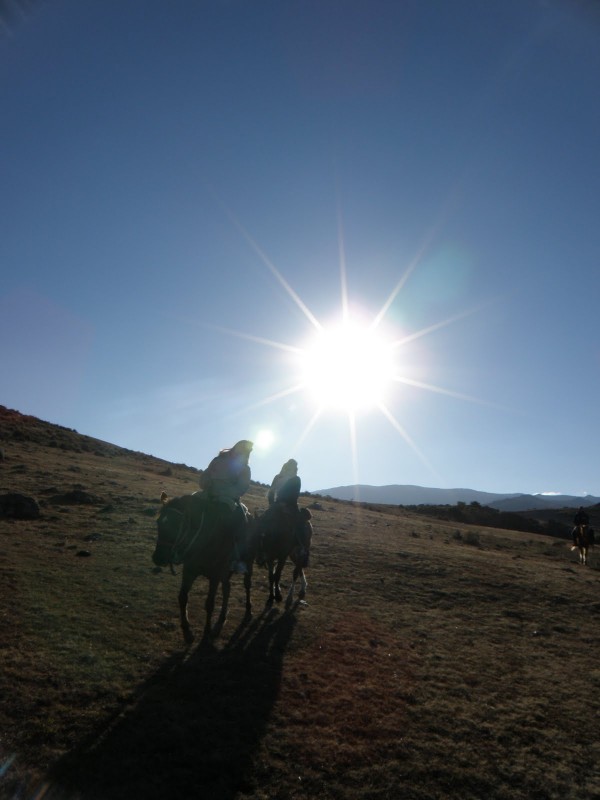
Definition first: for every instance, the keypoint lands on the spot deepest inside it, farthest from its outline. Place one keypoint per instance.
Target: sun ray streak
(259, 339)
(384, 309)
(274, 397)
(238, 334)
(448, 392)
(343, 273)
(273, 269)
(390, 417)
(309, 426)
(437, 326)
(353, 445)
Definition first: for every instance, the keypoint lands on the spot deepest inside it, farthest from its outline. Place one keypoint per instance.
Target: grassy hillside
(434, 659)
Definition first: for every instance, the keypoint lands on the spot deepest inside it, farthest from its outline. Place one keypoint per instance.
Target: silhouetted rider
(580, 518)
(224, 481)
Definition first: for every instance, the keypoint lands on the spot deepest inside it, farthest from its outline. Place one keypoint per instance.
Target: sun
(347, 367)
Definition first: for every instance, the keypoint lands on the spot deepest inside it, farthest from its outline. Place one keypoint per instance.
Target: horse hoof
(188, 637)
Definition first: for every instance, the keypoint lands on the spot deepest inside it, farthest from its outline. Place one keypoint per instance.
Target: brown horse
(583, 539)
(196, 533)
(282, 535)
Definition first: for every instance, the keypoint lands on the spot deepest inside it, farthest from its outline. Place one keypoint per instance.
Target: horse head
(169, 523)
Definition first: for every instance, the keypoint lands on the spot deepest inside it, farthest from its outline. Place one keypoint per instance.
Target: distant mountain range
(422, 495)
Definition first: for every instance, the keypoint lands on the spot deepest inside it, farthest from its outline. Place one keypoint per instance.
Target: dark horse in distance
(583, 539)
(284, 534)
(192, 531)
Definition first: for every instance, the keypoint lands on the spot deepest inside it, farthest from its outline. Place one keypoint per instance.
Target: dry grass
(432, 661)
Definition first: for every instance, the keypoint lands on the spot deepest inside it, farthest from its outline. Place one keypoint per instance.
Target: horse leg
(226, 587)
(248, 588)
(303, 585)
(271, 598)
(277, 578)
(186, 585)
(209, 606)
(290, 595)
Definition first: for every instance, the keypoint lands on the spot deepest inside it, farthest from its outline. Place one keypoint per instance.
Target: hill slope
(433, 660)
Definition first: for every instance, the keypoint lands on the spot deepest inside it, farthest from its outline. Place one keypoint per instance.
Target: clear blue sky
(190, 190)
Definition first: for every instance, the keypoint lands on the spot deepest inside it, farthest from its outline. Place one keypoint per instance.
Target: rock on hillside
(14, 505)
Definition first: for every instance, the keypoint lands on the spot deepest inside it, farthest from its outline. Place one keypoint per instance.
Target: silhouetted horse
(284, 535)
(584, 538)
(198, 534)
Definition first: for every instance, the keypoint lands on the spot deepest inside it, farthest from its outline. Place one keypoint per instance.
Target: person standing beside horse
(223, 482)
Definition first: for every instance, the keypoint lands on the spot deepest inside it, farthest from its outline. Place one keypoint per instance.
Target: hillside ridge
(407, 495)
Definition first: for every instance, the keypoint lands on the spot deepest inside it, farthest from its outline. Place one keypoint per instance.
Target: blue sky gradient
(188, 187)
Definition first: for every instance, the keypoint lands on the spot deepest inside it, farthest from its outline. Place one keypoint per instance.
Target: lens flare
(264, 439)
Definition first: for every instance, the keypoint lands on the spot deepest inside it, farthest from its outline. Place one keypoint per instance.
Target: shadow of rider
(192, 729)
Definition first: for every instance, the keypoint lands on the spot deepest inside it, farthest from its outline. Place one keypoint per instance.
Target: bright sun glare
(347, 367)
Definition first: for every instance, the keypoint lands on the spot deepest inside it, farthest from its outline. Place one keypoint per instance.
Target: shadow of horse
(284, 535)
(200, 535)
(583, 538)
(193, 729)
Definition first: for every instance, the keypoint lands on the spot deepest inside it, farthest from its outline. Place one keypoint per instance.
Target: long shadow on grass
(195, 728)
